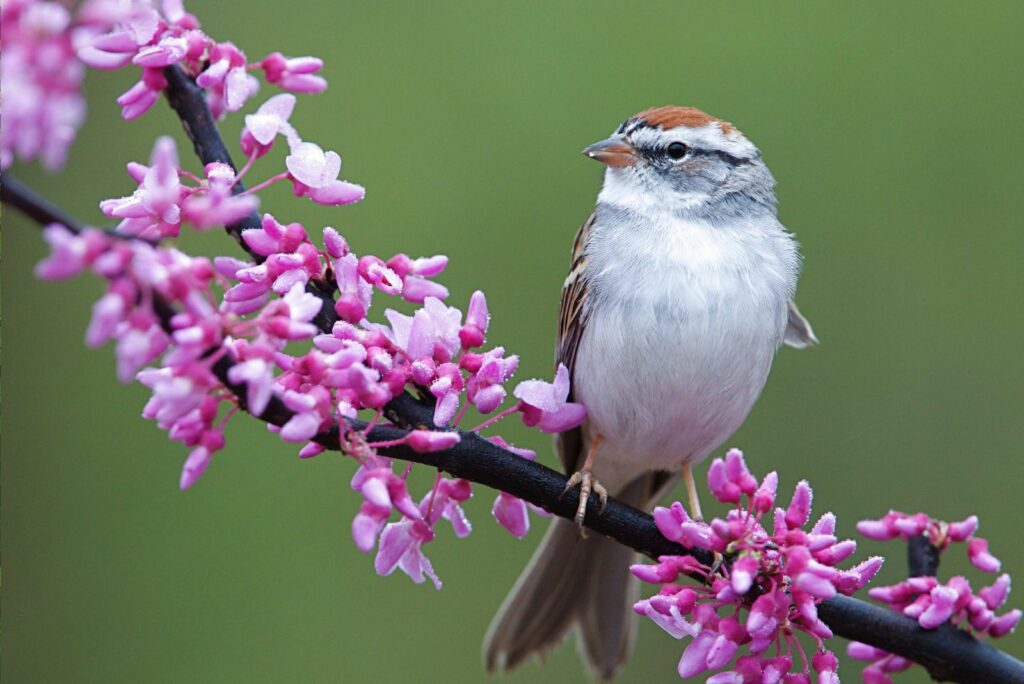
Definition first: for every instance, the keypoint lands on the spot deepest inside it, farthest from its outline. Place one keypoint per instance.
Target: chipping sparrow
(679, 295)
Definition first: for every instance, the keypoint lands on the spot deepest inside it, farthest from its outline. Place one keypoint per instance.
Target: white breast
(684, 321)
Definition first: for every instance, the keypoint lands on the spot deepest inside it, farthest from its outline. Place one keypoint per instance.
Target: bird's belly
(665, 382)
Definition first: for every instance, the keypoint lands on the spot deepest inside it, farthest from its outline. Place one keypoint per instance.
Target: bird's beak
(614, 152)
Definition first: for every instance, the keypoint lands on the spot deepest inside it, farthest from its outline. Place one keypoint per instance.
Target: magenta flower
(401, 547)
(792, 568)
(40, 78)
(544, 404)
(141, 97)
(415, 274)
(69, 253)
(289, 318)
(214, 204)
(485, 388)
(294, 73)
(314, 174)
(511, 512)
(931, 602)
(227, 79)
(154, 209)
(258, 377)
(445, 501)
(472, 334)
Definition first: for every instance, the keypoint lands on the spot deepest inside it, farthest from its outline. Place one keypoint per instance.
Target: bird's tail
(573, 582)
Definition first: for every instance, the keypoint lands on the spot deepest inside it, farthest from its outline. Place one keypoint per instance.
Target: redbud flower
(544, 404)
(477, 319)
(154, 209)
(270, 120)
(931, 602)
(511, 511)
(401, 547)
(40, 78)
(314, 174)
(792, 570)
(215, 204)
(295, 73)
(69, 253)
(226, 78)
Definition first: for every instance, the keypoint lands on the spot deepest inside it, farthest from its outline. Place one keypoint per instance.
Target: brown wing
(572, 313)
(571, 321)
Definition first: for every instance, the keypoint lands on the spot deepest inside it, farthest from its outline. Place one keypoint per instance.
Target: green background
(894, 130)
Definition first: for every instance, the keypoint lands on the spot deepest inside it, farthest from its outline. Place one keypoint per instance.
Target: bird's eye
(677, 150)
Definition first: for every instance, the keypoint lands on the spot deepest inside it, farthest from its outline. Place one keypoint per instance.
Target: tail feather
(571, 581)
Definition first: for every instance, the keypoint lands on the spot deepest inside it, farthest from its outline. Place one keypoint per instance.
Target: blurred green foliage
(894, 130)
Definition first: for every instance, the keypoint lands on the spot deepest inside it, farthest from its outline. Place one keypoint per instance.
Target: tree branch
(922, 557)
(188, 101)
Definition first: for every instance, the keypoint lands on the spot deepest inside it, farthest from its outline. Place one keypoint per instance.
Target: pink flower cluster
(41, 104)
(775, 578)
(143, 37)
(360, 365)
(168, 196)
(255, 312)
(931, 602)
(162, 201)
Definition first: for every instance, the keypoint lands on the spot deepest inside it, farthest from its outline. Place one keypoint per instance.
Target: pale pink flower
(70, 253)
(269, 121)
(41, 104)
(215, 204)
(154, 209)
(314, 174)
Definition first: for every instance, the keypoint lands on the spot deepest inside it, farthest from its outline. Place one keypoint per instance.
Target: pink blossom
(977, 552)
(154, 209)
(314, 174)
(215, 204)
(792, 568)
(401, 547)
(295, 73)
(426, 441)
(445, 501)
(415, 274)
(40, 78)
(226, 78)
(269, 121)
(485, 388)
(544, 404)
(472, 334)
(141, 97)
(510, 511)
(289, 317)
(259, 380)
(70, 253)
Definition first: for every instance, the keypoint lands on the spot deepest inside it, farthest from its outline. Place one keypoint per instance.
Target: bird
(679, 294)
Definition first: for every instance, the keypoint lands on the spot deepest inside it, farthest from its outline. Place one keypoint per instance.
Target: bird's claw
(588, 483)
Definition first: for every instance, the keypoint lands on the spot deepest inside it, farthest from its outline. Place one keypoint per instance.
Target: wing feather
(572, 319)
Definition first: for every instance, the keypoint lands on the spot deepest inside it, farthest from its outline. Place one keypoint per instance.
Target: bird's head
(681, 159)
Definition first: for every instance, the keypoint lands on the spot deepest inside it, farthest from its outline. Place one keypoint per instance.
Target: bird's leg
(691, 493)
(585, 479)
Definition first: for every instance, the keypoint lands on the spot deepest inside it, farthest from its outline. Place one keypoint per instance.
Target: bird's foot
(588, 484)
